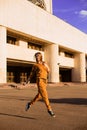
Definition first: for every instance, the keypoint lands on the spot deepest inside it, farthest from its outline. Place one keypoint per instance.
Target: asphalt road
(68, 102)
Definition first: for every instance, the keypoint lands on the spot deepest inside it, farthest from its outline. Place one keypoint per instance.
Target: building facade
(28, 26)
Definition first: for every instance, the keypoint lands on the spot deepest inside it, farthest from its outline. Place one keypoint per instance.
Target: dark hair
(38, 53)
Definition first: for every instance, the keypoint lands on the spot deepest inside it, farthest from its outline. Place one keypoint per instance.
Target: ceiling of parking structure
(12, 62)
(64, 68)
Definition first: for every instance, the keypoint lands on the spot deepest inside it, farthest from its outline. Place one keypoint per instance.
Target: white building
(28, 26)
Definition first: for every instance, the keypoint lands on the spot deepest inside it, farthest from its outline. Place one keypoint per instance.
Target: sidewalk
(68, 101)
(20, 86)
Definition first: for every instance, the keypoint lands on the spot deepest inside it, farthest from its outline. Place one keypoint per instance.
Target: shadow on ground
(19, 116)
(77, 101)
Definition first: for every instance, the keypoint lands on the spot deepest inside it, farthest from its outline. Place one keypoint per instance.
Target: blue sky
(73, 12)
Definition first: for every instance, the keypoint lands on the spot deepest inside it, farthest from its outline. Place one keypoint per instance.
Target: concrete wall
(3, 53)
(66, 61)
(20, 53)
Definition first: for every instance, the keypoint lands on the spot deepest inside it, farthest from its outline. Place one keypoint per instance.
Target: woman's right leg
(28, 105)
(37, 97)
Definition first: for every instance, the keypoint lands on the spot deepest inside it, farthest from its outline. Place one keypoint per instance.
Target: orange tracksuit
(41, 73)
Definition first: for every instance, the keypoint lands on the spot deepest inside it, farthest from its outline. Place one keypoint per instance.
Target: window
(10, 77)
(12, 40)
(34, 46)
(23, 76)
(39, 3)
(68, 55)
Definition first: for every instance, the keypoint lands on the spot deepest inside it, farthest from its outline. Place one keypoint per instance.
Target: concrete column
(51, 56)
(48, 5)
(79, 71)
(3, 54)
(23, 44)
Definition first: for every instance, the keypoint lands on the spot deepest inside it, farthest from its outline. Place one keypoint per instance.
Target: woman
(40, 70)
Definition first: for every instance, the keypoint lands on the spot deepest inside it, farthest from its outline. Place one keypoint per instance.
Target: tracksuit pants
(42, 93)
